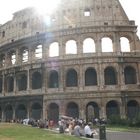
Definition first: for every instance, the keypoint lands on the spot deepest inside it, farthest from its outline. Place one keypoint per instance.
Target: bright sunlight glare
(46, 6)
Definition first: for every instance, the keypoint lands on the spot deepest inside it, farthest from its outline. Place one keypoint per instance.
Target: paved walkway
(122, 136)
(112, 135)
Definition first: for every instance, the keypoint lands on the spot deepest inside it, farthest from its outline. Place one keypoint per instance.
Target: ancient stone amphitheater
(83, 61)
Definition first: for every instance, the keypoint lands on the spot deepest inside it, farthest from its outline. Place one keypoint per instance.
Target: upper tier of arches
(69, 47)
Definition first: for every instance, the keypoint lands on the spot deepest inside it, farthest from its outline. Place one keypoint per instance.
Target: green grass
(22, 132)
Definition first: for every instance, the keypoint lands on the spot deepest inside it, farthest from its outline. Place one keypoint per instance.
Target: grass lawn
(11, 131)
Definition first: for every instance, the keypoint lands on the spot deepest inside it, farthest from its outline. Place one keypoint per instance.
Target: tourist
(88, 132)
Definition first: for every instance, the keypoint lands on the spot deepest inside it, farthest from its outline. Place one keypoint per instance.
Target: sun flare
(46, 6)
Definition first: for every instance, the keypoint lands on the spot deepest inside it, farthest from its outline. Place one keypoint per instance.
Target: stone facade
(46, 69)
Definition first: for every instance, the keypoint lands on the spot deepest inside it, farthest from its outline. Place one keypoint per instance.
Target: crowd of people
(76, 127)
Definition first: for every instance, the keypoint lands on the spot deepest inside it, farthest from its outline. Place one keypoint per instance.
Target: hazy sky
(7, 7)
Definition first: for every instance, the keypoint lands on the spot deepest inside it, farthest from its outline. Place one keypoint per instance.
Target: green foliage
(116, 120)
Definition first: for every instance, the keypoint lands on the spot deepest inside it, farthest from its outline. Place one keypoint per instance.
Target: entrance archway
(8, 113)
(53, 112)
(36, 111)
(72, 110)
(112, 109)
(132, 109)
(92, 111)
(21, 112)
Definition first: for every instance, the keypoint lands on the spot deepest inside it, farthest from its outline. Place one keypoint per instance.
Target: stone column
(82, 110)
(81, 78)
(28, 81)
(61, 80)
(3, 85)
(18, 57)
(15, 86)
(62, 108)
(61, 49)
(32, 54)
(116, 44)
(98, 46)
(79, 47)
(44, 52)
(44, 110)
(123, 107)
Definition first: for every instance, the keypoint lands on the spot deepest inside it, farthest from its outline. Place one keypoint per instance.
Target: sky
(8, 7)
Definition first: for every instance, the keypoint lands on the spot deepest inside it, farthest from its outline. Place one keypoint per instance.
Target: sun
(46, 6)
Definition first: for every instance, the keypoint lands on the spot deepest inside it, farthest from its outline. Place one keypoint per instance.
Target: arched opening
(125, 45)
(10, 84)
(54, 49)
(112, 109)
(53, 113)
(38, 52)
(92, 111)
(72, 110)
(1, 84)
(25, 55)
(130, 75)
(22, 82)
(21, 112)
(71, 78)
(2, 60)
(53, 79)
(36, 111)
(36, 80)
(88, 46)
(107, 45)
(12, 58)
(110, 76)
(132, 109)
(71, 47)
(90, 77)
(8, 113)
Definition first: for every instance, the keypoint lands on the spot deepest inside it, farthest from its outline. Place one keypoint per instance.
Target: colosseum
(82, 60)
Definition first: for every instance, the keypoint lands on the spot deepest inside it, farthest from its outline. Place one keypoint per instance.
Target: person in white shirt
(88, 132)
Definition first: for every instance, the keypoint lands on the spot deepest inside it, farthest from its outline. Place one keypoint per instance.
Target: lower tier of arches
(45, 107)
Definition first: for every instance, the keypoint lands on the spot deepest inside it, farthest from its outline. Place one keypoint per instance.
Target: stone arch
(88, 45)
(36, 111)
(107, 45)
(125, 45)
(8, 113)
(72, 110)
(12, 57)
(71, 47)
(112, 109)
(10, 83)
(22, 82)
(53, 81)
(38, 51)
(130, 75)
(53, 112)
(21, 112)
(36, 80)
(110, 76)
(92, 111)
(54, 49)
(71, 78)
(90, 77)
(24, 54)
(133, 109)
